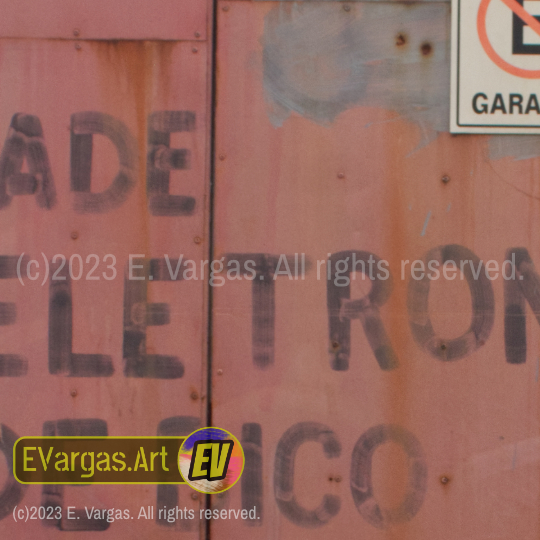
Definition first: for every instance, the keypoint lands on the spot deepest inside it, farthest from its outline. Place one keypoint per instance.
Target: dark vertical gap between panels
(213, 99)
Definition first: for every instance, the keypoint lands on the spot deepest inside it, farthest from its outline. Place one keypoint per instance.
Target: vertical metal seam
(209, 346)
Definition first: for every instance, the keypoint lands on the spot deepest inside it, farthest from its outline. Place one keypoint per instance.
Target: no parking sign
(495, 66)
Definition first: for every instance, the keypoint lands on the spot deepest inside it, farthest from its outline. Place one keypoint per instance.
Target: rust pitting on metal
(426, 48)
(401, 39)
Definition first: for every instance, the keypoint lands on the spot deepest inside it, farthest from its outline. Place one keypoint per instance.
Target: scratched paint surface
(104, 154)
(411, 412)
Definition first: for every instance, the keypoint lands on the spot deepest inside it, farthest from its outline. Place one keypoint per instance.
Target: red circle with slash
(527, 18)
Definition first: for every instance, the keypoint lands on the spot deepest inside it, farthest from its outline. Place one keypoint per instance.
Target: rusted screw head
(197, 239)
(445, 479)
(194, 396)
(220, 372)
(194, 50)
(222, 157)
(76, 32)
(74, 235)
(445, 179)
(341, 175)
(225, 8)
(74, 393)
(346, 8)
(194, 496)
(197, 34)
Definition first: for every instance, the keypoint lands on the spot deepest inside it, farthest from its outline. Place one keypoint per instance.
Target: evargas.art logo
(211, 460)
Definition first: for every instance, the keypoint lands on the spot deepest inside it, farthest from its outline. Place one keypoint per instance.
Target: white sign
(495, 66)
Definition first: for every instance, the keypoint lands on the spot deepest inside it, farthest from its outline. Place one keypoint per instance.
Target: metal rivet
(74, 235)
(346, 8)
(76, 32)
(445, 479)
(197, 34)
(337, 478)
(194, 50)
(197, 239)
(194, 496)
(445, 179)
(194, 396)
(222, 157)
(220, 372)
(78, 46)
(225, 8)
(443, 347)
(341, 175)
(74, 393)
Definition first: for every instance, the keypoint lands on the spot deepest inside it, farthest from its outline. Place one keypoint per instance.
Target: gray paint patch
(320, 60)
(517, 146)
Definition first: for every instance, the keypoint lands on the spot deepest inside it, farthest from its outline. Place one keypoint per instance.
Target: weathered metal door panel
(422, 421)
(104, 158)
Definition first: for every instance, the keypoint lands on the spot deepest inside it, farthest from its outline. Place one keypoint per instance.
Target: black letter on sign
(53, 495)
(483, 305)
(162, 159)
(138, 314)
(341, 309)
(84, 126)
(167, 495)
(11, 365)
(252, 477)
(262, 269)
(522, 284)
(25, 140)
(12, 492)
(362, 481)
(286, 450)
(62, 361)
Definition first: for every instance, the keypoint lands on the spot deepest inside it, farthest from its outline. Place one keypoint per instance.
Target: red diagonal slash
(524, 15)
(488, 47)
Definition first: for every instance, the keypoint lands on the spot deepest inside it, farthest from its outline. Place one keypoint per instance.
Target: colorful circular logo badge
(211, 460)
